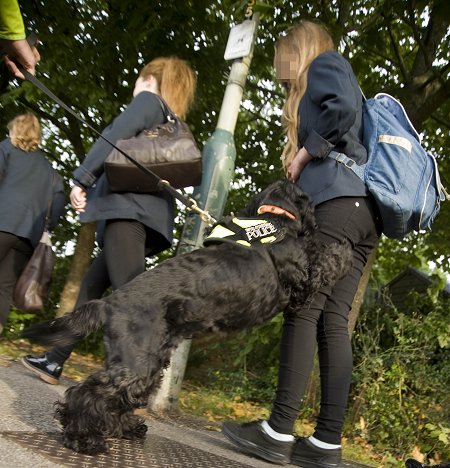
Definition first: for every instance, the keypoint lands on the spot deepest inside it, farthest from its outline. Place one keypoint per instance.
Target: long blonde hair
(306, 40)
(25, 132)
(176, 82)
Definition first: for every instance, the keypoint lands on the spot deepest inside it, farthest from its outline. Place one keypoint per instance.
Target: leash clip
(204, 215)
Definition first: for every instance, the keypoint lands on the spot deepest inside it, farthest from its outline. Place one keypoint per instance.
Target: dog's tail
(70, 328)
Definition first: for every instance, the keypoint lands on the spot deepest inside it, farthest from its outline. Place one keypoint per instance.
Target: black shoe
(252, 438)
(410, 463)
(307, 455)
(48, 371)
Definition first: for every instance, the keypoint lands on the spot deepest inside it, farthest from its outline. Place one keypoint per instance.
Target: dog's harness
(248, 231)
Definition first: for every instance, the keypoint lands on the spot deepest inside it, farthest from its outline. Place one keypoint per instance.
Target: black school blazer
(157, 210)
(331, 119)
(27, 183)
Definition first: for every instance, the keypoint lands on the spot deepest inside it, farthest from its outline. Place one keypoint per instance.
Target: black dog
(222, 287)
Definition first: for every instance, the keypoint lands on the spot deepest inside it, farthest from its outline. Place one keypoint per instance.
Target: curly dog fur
(222, 287)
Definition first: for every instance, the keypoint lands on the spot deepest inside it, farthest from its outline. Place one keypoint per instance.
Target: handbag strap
(50, 203)
(167, 111)
(161, 184)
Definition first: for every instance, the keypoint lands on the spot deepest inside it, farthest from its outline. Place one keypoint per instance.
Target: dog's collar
(275, 210)
(245, 232)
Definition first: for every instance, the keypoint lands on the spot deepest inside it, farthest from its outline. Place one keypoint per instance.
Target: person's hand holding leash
(78, 199)
(16, 49)
(20, 51)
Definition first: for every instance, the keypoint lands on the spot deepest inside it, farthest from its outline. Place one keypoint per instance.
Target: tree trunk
(80, 263)
(359, 296)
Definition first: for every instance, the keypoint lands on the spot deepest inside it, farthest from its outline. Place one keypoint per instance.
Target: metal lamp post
(219, 154)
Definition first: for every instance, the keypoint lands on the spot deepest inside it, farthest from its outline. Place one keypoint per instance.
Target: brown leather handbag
(169, 150)
(32, 287)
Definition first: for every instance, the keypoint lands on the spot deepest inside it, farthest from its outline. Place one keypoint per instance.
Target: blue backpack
(401, 175)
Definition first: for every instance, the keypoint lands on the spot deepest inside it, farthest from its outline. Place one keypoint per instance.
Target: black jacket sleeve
(144, 112)
(330, 88)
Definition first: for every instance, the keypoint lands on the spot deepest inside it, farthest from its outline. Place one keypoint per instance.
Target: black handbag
(32, 287)
(169, 150)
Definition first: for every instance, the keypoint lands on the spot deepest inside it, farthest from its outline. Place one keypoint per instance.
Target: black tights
(325, 323)
(125, 246)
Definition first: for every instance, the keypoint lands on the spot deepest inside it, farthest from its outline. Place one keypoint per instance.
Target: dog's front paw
(86, 444)
(138, 432)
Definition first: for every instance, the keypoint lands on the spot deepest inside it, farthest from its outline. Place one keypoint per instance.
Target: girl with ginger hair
(130, 226)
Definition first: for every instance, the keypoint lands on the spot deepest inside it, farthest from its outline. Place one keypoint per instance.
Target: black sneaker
(307, 455)
(48, 371)
(410, 463)
(252, 438)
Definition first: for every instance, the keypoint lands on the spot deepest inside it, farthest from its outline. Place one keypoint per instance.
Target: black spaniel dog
(256, 264)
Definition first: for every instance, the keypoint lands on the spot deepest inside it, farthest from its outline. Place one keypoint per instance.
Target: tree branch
(440, 120)
(428, 42)
(401, 63)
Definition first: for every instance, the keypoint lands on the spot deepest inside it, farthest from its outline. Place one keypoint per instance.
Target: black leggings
(14, 254)
(325, 322)
(125, 245)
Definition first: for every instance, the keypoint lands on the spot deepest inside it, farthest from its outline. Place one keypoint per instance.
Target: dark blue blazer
(331, 119)
(28, 183)
(157, 210)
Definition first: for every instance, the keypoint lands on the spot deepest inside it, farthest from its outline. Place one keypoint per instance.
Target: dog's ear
(298, 203)
(292, 264)
(330, 263)
(307, 216)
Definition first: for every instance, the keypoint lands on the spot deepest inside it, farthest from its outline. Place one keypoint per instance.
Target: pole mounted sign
(240, 40)
(219, 154)
(242, 36)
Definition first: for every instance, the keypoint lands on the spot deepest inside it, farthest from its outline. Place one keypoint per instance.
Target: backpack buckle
(345, 160)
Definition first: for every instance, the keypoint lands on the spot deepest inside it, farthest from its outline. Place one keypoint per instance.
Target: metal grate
(154, 451)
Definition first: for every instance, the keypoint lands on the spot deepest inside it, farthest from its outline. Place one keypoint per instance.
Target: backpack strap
(348, 162)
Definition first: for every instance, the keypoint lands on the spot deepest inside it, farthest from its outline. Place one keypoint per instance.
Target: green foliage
(400, 393)
(245, 364)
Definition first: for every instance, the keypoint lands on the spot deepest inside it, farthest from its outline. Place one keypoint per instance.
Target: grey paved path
(29, 437)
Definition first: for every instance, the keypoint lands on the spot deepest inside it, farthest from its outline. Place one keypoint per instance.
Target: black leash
(161, 184)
